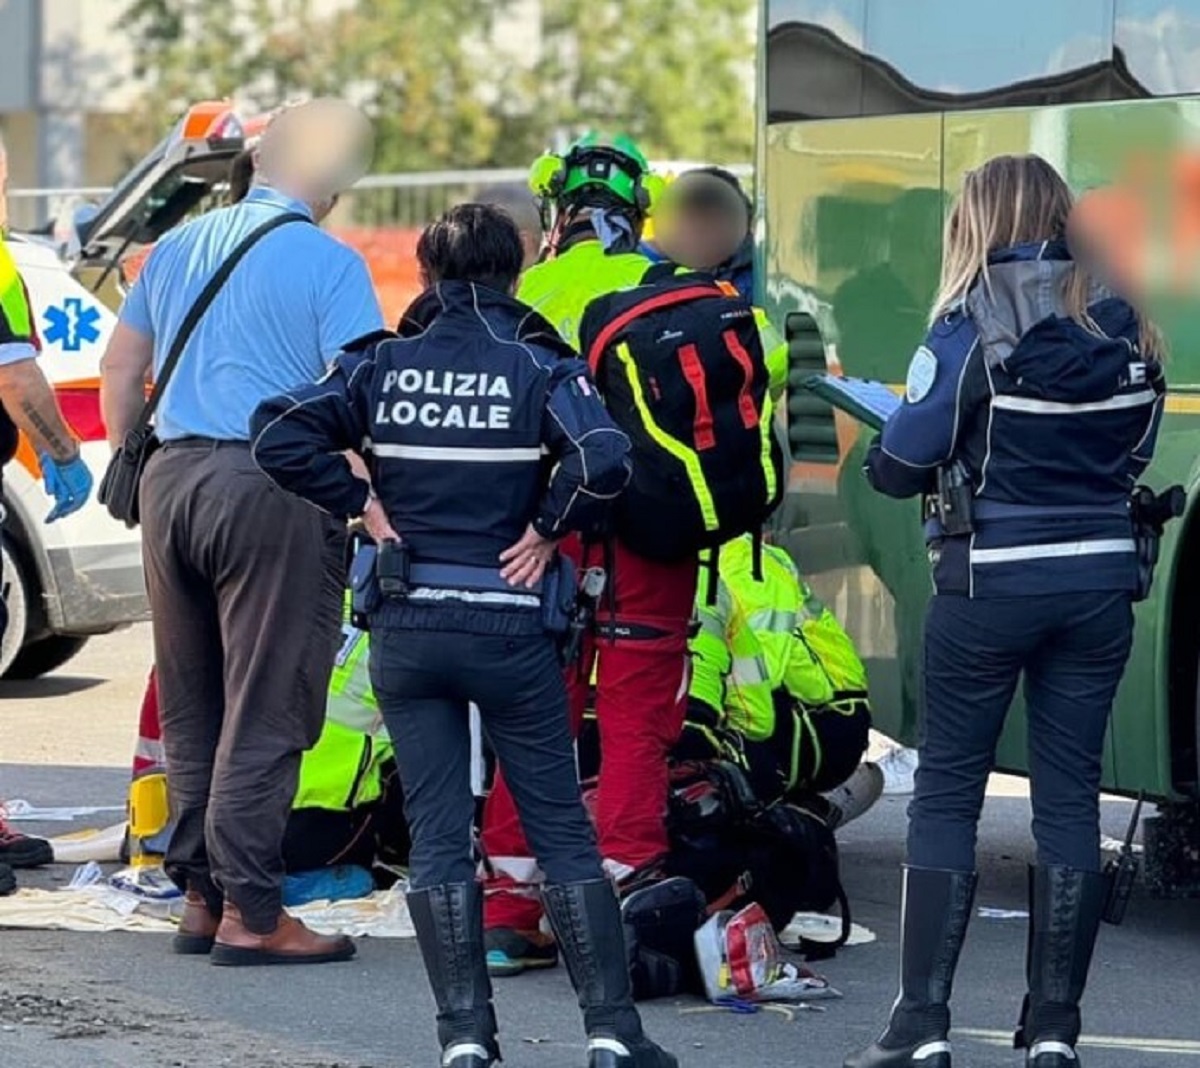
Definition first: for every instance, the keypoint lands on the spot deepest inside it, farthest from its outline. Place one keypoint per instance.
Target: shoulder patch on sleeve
(922, 373)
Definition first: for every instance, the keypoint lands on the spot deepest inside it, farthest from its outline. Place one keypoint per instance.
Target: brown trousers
(246, 584)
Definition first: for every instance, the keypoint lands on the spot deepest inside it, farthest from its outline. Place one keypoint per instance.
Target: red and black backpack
(682, 370)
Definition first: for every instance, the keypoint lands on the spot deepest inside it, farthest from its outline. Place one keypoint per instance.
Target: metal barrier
(379, 200)
(30, 209)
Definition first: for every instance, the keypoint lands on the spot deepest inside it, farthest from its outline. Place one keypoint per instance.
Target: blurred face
(701, 224)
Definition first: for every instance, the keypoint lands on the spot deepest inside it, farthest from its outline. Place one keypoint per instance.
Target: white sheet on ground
(100, 907)
(18, 809)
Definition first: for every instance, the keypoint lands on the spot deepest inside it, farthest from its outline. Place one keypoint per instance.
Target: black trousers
(423, 681)
(246, 584)
(1071, 650)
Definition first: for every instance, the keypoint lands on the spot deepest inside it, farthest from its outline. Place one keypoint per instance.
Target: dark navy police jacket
(1054, 424)
(474, 421)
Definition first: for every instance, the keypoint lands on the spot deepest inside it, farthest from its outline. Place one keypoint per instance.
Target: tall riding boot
(591, 937)
(449, 923)
(1065, 908)
(936, 908)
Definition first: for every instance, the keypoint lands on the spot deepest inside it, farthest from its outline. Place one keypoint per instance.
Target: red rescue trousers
(149, 756)
(641, 698)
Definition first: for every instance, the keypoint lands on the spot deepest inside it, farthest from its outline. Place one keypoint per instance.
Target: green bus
(870, 112)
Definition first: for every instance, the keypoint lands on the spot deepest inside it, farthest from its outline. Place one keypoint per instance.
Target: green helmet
(613, 165)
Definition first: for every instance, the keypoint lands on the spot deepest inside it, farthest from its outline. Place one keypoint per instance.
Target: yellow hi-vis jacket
(561, 289)
(344, 769)
(761, 636)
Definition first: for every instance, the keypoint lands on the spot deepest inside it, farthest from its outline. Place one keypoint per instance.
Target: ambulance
(82, 575)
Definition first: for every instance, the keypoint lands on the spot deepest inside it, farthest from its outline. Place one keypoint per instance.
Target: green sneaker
(512, 952)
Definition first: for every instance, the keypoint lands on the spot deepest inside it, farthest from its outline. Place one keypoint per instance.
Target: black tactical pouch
(365, 595)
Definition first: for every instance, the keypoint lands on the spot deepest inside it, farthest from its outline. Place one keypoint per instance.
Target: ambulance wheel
(43, 656)
(16, 592)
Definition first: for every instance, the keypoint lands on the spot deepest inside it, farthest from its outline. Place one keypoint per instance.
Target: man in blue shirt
(245, 581)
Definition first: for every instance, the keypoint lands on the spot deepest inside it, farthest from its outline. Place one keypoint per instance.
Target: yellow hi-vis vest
(561, 289)
(16, 319)
(762, 636)
(343, 770)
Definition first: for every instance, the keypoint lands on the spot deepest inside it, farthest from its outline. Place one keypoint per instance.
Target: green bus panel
(854, 210)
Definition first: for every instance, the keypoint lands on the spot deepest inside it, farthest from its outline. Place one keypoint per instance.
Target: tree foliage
(445, 90)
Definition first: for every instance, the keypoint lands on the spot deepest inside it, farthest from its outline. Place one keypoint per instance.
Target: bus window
(1160, 43)
(846, 58)
(987, 46)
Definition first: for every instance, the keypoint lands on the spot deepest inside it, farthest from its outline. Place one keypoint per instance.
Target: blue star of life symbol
(72, 325)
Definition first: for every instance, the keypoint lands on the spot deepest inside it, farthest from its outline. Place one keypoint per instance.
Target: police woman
(486, 442)
(1041, 393)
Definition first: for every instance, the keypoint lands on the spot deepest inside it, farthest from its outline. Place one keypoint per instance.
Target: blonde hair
(1016, 200)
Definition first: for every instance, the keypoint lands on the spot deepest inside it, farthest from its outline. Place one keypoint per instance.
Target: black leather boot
(591, 938)
(936, 908)
(1065, 908)
(448, 920)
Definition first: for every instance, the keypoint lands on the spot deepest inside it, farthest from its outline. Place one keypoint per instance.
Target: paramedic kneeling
(486, 442)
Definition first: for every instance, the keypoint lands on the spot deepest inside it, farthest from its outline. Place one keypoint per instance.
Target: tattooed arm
(29, 400)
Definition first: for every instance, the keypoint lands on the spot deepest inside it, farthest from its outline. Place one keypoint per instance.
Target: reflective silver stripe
(519, 869)
(930, 1049)
(454, 454)
(1059, 1048)
(151, 750)
(1052, 550)
(608, 1045)
(521, 600)
(748, 671)
(464, 1049)
(1044, 407)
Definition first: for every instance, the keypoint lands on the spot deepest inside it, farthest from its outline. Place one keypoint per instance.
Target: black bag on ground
(122, 479)
(783, 856)
(682, 370)
(661, 920)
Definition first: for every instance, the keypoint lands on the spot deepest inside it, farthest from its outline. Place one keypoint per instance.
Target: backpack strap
(701, 290)
(714, 555)
(662, 271)
(812, 950)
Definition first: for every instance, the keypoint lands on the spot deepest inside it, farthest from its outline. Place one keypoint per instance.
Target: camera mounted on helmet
(597, 173)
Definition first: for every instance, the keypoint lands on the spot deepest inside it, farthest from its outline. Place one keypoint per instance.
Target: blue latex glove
(70, 485)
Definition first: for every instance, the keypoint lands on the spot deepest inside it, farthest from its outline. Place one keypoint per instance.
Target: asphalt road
(70, 1000)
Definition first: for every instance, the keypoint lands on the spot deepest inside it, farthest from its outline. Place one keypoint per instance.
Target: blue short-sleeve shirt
(286, 310)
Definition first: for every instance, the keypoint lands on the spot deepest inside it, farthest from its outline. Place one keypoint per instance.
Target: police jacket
(474, 422)
(1052, 422)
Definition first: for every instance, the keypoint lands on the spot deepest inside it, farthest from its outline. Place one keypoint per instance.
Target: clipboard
(870, 402)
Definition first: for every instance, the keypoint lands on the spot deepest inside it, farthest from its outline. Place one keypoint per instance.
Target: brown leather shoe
(290, 943)
(197, 926)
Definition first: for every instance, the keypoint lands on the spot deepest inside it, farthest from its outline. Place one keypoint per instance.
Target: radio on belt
(392, 566)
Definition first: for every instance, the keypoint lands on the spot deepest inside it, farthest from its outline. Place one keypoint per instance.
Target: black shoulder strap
(197, 310)
(663, 271)
(714, 576)
(812, 950)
